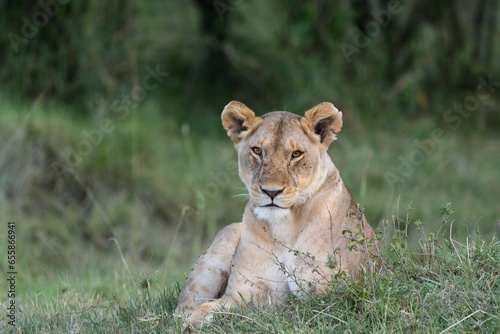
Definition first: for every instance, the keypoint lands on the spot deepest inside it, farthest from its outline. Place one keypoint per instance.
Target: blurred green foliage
(384, 59)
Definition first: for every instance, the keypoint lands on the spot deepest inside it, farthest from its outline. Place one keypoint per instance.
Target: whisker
(246, 196)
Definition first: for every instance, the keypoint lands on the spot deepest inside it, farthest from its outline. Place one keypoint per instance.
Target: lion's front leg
(209, 276)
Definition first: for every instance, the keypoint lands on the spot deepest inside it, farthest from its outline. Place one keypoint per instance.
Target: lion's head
(282, 157)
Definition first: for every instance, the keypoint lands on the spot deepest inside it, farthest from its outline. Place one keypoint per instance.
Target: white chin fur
(271, 214)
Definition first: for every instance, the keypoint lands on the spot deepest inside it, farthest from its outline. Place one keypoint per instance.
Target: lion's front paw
(197, 318)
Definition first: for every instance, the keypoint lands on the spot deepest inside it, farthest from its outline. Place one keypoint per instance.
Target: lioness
(293, 235)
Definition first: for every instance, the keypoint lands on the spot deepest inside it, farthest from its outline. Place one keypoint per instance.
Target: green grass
(441, 286)
(151, 196)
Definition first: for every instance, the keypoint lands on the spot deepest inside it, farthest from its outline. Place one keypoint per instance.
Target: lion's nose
(272, 193)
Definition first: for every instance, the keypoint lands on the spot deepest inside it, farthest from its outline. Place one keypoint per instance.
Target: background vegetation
(117, 183)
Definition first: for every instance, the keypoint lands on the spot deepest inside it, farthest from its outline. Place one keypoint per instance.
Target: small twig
(334, 251)
(401, 262)
(304, 257)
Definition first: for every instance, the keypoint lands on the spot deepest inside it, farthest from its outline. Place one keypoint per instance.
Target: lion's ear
(324, 121)
(238, 120)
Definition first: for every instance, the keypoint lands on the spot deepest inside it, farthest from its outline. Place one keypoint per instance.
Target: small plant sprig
(358, 241)
(426, 242)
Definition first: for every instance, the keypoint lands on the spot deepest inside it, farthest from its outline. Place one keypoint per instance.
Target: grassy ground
(149, 195)
(442, 286)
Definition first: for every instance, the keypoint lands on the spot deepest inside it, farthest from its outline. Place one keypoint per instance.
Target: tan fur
(273, 252)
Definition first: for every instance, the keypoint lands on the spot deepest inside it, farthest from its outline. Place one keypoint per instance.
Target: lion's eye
(296, 154)
(257, 150)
